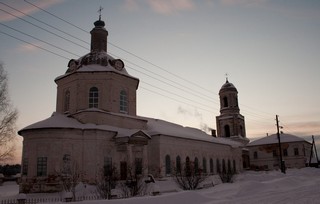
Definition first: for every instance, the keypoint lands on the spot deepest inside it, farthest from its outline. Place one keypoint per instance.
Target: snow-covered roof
(154, 127)
(94, 62)
(61, 121)
(157, 126)
(273, 139)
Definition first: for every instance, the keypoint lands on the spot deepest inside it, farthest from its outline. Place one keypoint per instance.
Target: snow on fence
(46, 200)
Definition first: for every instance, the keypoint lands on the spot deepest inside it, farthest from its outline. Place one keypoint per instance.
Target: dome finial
(227, 78)
(100, 9)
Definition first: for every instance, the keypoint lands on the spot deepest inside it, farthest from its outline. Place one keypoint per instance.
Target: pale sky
(181, 52)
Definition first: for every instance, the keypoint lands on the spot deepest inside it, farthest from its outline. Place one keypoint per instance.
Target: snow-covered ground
(296, 186)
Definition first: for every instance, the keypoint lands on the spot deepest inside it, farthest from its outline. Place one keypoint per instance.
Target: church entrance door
(123, 170)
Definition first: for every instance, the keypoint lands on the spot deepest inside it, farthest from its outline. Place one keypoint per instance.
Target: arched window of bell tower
(123, 102)
(241, 130)
(66, 101)
(227, 130)
(93, 97)
(225, 102)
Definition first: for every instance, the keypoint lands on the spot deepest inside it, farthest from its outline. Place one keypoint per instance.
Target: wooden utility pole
(283, 169)
(315, 149)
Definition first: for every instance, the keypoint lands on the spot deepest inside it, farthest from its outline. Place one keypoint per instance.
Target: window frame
(204, 165)
(178, 164)
(93, 97)
(138, 165)
(25, 166)
(123, 102)
(42, 166)
(167, 165)
(211, 166)
(66, 101)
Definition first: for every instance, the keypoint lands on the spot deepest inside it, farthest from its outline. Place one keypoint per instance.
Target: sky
(182, 51)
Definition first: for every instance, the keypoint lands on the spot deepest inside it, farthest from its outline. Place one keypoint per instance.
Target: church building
(95, 126)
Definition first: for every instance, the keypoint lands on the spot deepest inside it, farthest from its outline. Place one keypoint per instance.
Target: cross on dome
(100, 9)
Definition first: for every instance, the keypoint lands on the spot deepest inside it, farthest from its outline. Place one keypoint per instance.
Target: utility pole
(283, 170)
(315, 149)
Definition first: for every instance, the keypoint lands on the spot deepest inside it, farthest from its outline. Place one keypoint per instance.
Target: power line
(34, 45)
(55, 16)
(44, 23)
(40, 40)
(140, 58)
(43, 29)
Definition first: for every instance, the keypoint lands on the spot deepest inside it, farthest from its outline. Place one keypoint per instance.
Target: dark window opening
(225, 102)
(168, 165)
(227, 130)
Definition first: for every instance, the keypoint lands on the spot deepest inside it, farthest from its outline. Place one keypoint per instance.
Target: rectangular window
(285, 152)
(138, 166)
(107, 166)
(41, 166)
(25, 166)
(274, 153)
(296, 151)
(255, 155)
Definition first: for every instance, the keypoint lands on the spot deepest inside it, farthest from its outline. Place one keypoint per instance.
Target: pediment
(139, 137)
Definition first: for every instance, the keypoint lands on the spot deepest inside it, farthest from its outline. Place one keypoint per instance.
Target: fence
(46, 200)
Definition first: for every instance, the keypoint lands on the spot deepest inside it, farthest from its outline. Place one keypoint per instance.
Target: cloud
(164, 7)
(170, 6)
(187, 112)
(23, 7)
(25, 47)
(131, 5)
(242, 2)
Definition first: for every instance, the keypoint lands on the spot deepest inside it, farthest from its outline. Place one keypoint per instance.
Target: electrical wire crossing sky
(181, 51)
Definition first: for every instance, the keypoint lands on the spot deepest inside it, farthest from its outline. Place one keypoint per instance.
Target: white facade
(265, 152)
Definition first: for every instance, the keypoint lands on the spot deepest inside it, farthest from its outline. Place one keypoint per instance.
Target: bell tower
(230, 123)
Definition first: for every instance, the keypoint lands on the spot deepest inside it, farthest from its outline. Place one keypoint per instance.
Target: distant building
(95, 127)
(264, 152)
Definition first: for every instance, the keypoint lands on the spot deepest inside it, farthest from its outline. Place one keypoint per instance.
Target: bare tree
(135, 184)
(189, 176)
(107, 182)
(70, 175)
(8, 118)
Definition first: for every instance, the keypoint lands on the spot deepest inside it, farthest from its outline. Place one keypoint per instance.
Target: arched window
(93, 97)
(204, 165)
(223, 166)
(66, 101)
(227, 130)
(188, 167)
(225, 102)
(241, 130)
(229, 166)
(168, 165)
(196, 165)
(211, 166)
(234, 166)
(218, 166)
(178, 164)
(123, 102)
